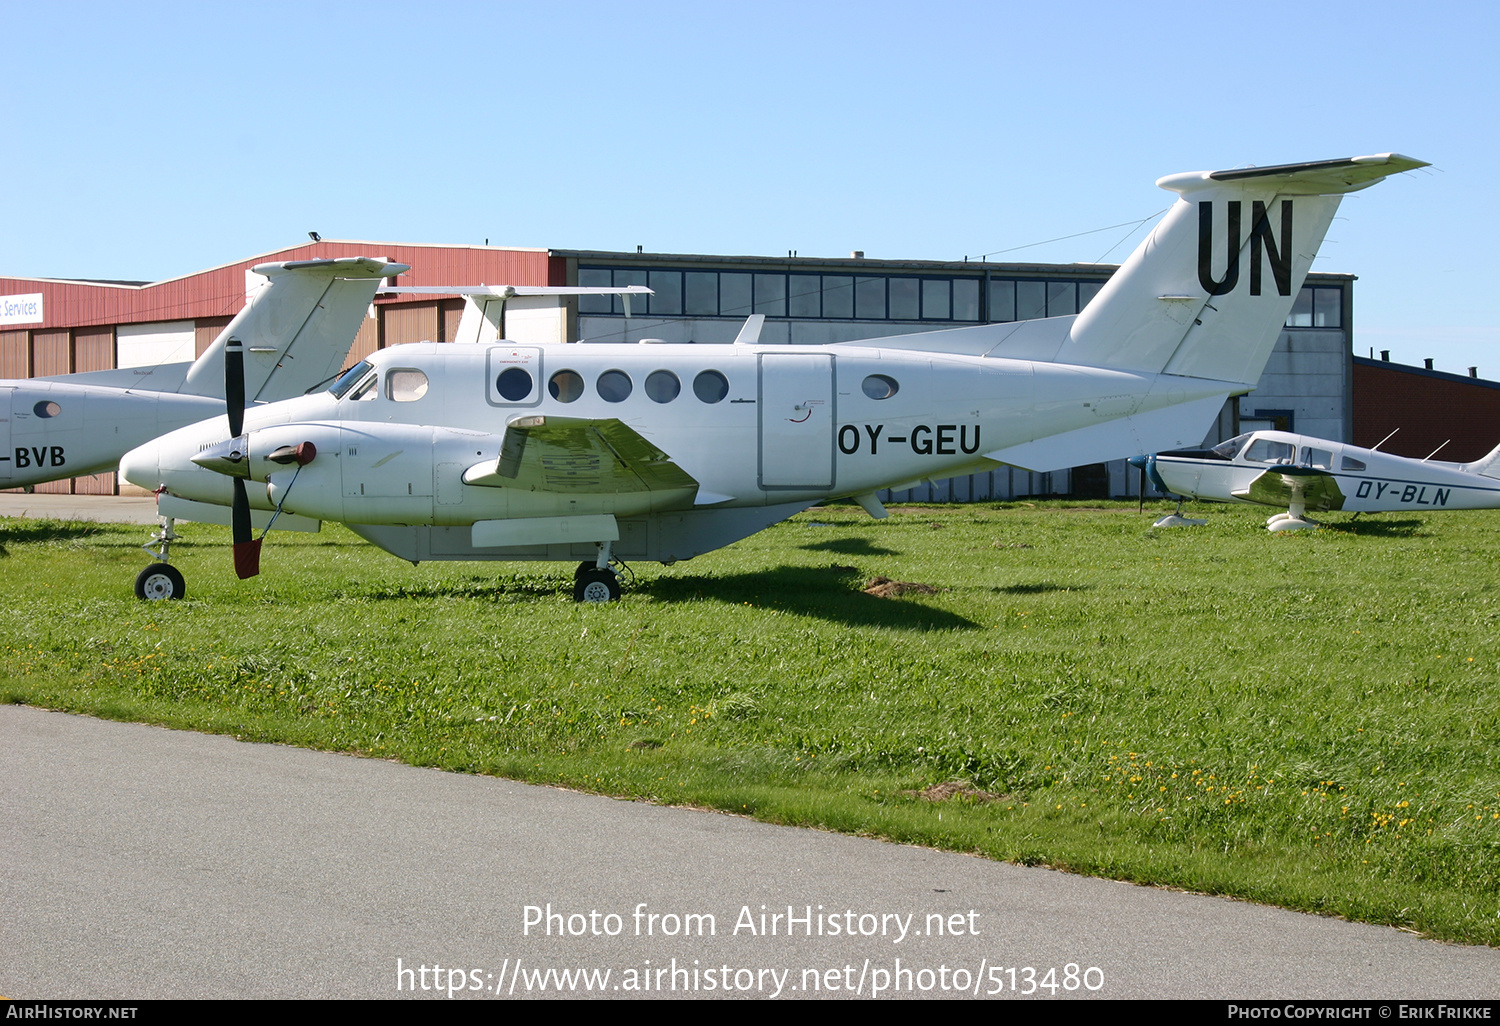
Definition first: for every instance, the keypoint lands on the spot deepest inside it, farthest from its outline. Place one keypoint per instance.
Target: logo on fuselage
(1278, 252)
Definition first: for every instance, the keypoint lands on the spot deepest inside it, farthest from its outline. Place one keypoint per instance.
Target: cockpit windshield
(1229, 449)
(350, 378)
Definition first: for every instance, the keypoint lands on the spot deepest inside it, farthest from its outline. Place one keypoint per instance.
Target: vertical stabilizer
(1486, 466)
(1207, 293)
(296, 328)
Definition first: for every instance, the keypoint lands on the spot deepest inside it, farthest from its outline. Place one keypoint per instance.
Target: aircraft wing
(572, 455)
(1278, 487)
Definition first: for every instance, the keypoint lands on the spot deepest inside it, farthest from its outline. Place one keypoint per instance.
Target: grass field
(1307, 720)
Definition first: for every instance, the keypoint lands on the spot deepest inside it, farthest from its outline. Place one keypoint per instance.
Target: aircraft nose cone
(231, 458)
(139, 467)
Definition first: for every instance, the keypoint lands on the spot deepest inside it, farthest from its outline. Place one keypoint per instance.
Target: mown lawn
(1308, 720)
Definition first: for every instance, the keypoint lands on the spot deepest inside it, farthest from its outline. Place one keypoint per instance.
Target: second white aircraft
(1276, 468)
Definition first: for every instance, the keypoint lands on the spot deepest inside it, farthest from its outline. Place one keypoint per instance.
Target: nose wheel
(159, 581)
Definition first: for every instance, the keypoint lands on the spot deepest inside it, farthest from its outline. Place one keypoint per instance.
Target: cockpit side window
(1266, 450)
(366, 387)
(1318, 459)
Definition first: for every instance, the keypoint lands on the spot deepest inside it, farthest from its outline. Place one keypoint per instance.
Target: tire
(595, 585)
(159, 581)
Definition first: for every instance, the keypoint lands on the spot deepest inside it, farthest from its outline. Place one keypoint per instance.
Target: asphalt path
(142, 862)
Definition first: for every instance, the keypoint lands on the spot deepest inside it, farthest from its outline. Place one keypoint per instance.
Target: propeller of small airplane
(246, 545)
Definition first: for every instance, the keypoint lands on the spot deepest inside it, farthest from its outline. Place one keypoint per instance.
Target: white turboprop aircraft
(297, 327)
(1276, 468)
(664, 452)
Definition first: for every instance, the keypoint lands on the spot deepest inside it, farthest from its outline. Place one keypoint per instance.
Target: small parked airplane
(296, 327)
(1276, 468)
(663, 452)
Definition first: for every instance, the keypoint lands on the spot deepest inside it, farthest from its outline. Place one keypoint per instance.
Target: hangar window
(905, 298)
(615, 386)
(405, 384)
(936, 302)
(908, 296)
(878, 386)
(770, 294)
(701, 293)
(838, 295)
(46, 409)
(662, 386)
(1317, 306)
(565, 386)
(710, 386)
(513, 384)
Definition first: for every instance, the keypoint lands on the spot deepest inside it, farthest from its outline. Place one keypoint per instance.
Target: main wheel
(159, 581)
(591, 584)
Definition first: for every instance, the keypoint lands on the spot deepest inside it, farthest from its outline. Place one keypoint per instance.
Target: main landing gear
(596, 582)
(161, 579)
(1295, 518)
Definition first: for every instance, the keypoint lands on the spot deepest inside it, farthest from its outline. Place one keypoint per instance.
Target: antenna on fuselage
(1387, 438)
(1435, 452)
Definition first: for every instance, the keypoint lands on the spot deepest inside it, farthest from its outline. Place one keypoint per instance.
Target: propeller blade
(234, 385)
(246, 545)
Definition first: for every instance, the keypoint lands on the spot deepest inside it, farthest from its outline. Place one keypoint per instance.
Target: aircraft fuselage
(53, 429)
(750, 425)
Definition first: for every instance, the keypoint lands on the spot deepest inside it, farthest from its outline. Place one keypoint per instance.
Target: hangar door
(796, 420)
(7, 464)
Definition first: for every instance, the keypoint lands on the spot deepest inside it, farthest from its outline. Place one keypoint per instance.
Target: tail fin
(296, 328)
(1486, 466)
(1207, 293)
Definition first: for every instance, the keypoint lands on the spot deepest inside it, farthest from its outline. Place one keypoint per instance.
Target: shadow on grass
(489, 589)
(1379, 528)
(851, 547)
(825, 593)
(1037, 589)
(25, 532)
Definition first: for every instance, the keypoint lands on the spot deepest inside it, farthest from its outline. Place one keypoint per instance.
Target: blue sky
(152, 140)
